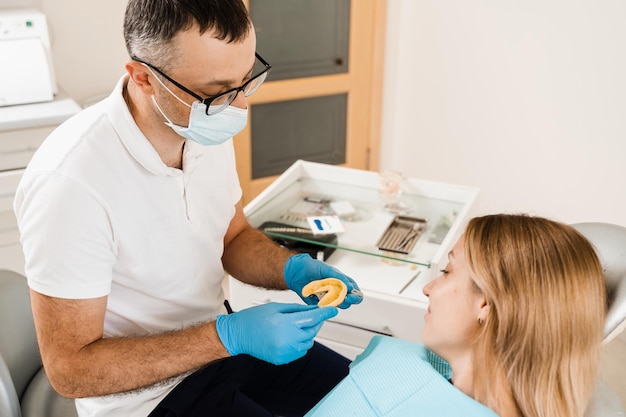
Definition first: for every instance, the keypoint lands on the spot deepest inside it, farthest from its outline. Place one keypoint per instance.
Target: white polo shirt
(101, 215)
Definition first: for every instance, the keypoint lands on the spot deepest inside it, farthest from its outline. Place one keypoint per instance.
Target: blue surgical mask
(207, 130)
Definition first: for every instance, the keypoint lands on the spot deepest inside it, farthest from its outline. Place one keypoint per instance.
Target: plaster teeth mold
(329, 291)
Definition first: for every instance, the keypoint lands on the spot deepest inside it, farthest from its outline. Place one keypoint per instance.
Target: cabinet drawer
(354, 336)
(348, 351)
(18, 146)
(11, 255)
(9, 181)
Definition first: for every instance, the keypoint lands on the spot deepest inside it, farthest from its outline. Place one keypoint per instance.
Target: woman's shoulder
(394, 378)
(410, 353)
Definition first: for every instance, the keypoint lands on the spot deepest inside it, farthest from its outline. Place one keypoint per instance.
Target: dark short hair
(150, 25)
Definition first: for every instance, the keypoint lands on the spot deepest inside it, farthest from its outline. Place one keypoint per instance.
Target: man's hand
(274, 332)
(302, 269)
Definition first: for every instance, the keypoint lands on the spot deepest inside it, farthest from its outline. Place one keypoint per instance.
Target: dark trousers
(243, 386)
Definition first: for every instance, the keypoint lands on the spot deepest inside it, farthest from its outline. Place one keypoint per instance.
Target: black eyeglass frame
(207, 101)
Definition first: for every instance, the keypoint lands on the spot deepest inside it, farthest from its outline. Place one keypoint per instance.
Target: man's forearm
(112, 365)
(253, 258)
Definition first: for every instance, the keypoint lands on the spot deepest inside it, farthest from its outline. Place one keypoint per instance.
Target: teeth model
(329, 291)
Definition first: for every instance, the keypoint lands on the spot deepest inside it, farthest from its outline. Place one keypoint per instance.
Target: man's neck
(167, 143)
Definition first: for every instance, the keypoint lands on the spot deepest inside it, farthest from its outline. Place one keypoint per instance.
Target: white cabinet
(391, 282)
(11, 256)
(22, 130)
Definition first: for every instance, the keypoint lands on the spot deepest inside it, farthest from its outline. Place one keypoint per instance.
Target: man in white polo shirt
(130, 213)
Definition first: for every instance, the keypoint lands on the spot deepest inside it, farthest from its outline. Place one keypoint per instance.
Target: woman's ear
(484, 307)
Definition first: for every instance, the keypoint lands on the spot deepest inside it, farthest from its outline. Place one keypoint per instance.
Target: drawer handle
(385, 330)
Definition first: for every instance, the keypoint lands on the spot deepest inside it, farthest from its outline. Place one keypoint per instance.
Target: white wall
(87, 45)
(524, 99)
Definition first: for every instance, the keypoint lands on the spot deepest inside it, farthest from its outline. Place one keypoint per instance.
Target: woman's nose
(426, 289)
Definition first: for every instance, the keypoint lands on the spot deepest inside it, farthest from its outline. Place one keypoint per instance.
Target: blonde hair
(540, 345)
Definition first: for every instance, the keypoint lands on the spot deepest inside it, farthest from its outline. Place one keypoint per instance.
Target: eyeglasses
(219, 102)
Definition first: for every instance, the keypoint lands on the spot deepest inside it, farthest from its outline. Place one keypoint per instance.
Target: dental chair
(610, 244)
(24, 387)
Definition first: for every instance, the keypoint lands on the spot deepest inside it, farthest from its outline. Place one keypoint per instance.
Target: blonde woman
(517, 317)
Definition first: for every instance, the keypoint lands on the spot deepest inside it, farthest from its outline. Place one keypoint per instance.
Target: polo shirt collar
(133, 138)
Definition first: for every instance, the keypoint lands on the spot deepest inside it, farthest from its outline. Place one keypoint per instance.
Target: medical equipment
(26, 70)
(402, 234)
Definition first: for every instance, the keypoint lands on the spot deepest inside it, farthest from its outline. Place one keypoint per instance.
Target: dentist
(130, 214)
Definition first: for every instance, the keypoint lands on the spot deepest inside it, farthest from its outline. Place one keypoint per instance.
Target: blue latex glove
(274, 332)
(302, 269)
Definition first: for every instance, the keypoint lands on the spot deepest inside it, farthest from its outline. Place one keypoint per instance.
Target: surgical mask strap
(169, 122)
(168, 90)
